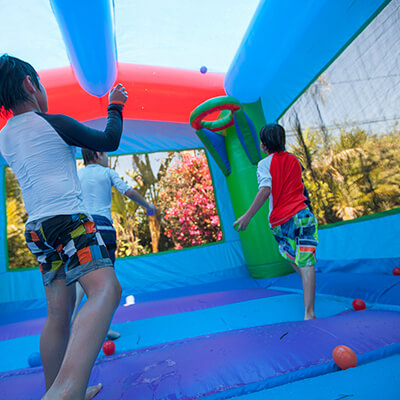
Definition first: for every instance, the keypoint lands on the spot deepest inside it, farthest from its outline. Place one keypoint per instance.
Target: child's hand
(241, 223)
(151, 210)
(118, 95)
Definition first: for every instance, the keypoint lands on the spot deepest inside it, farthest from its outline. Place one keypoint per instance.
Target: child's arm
(76, 134)
(138, 198)
(261, 197)
(133, 194)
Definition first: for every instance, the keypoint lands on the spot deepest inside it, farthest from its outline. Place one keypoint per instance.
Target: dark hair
(12, 74)
(273, 137)
(89, 156)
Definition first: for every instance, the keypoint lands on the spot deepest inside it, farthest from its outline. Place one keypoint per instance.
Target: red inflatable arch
(155, 93)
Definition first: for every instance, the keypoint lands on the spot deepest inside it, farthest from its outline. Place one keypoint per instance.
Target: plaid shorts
(108, 233)
(66, 247)
(298, 238)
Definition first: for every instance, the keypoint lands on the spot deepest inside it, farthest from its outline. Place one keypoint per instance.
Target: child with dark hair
(96, 183)
(97, 179)
(293, 224)
(40, 149)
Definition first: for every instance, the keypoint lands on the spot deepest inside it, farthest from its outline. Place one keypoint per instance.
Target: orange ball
(344, 357)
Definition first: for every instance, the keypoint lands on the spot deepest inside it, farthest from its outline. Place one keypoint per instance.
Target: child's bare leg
(308, 278)
(295, 267)
(87, 335)
(112, 335)
(79, 296)
(55, 333)
(91, 391)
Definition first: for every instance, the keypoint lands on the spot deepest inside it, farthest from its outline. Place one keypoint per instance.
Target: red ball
(344, 357)
(396, 271)
(359, 304)
(108, 347)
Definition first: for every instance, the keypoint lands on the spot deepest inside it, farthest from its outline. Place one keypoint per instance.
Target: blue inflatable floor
(235, 339)
(375, 380)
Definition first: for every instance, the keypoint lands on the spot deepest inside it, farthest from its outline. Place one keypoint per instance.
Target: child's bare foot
(307, 317)
(91, 391)
(112, 335)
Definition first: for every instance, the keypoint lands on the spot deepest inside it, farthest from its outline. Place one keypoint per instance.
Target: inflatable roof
(201, 327)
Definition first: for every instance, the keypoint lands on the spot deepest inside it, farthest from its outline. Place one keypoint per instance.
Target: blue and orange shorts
(108, 234)
(66, 247)
(298, 238)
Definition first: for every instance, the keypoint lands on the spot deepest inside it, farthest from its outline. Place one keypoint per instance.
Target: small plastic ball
(344, 357)
(150, 212)
(359, 304)
(396, 271)
(108, 347)
(34, 360)
(203, 69)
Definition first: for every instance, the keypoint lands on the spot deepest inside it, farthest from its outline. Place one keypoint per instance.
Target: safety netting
(361, 87)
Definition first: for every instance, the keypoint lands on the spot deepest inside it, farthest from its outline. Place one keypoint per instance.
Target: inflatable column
(233, 142)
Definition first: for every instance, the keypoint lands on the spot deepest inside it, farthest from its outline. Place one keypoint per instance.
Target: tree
(349, 174)
(19, 255)
(131, 222)
(357, 174)
(187, 200)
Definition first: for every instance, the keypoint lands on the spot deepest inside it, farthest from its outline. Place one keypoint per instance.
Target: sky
(175, 33)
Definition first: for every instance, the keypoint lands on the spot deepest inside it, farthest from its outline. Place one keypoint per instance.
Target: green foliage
(18, 254)
(352, 174)
(182, 191)
(136, 232)
(187, 200)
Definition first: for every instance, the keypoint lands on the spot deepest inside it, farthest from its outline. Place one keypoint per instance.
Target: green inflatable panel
(237, 151)
(247, 135)
(259, 246)
(215, 144)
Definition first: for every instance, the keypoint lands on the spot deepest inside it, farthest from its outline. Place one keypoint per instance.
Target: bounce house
(223, 320)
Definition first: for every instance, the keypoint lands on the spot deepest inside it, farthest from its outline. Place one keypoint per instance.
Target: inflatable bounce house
(224, 320)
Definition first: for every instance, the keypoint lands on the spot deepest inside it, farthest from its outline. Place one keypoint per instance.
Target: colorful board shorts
(298, 238)
(107, 232)
(66, 247)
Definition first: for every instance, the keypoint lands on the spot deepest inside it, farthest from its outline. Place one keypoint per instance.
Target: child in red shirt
(294, 226)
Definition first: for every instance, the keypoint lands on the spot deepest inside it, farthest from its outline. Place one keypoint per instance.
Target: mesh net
(344, 127)
(361, 87)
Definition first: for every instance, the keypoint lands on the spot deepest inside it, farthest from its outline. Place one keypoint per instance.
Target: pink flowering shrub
(187, 200)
